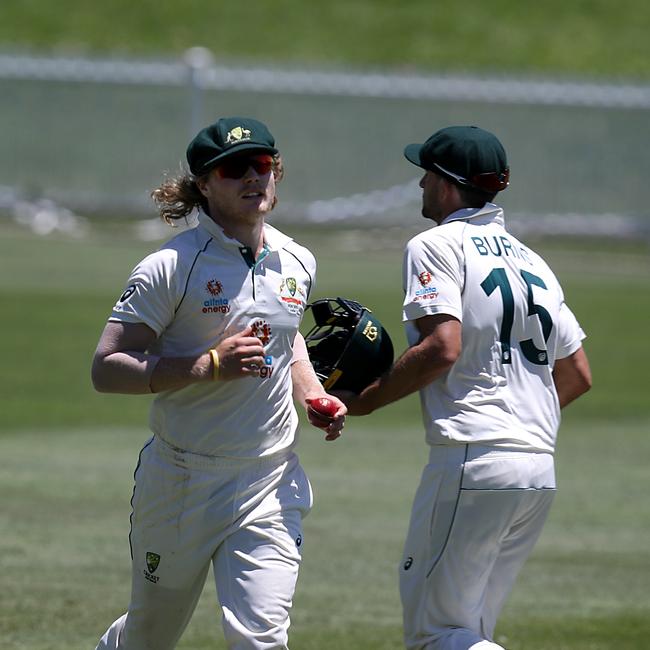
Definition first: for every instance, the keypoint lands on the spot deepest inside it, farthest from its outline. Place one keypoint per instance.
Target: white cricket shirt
(515, 324)
(199, 288)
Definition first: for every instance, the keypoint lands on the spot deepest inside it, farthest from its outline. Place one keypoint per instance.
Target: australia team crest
(292, 296)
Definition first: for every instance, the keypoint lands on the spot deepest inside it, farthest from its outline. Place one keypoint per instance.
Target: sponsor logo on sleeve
(128, 292)
(426, 292)
(425, 278)
(121, 304)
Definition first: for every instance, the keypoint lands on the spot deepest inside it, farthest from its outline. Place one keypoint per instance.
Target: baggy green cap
(466, 155)
(226, 137)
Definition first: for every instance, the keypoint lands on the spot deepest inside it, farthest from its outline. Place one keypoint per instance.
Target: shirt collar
(273, 238)
(489, 213)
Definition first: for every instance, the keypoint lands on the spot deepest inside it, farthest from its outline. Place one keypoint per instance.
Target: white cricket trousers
(476, 516)
(189, 511)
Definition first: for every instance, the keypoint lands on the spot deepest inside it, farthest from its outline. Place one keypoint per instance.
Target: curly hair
(179, 196)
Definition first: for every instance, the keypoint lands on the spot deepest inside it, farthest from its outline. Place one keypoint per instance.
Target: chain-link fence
(95, 136)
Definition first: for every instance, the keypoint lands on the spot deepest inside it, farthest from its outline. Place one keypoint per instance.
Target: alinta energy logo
(214, 287)
(427, 292)
(215, 304)
(424, 278)
(262, 330)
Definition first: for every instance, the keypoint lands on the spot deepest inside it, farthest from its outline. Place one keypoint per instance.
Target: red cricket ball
(324, 407)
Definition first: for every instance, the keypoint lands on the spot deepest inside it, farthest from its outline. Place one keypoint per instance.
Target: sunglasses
(237, 167)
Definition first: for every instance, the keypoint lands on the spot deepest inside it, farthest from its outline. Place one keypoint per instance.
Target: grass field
(67, 457)
(64, 549)
(67, 454)
(597, 37)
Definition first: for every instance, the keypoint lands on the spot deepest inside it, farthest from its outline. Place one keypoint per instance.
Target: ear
(450, 198)
(447, 186)
(202, 184)
(450, 192)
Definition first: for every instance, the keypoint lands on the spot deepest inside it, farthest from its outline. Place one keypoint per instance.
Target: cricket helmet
(348, 347)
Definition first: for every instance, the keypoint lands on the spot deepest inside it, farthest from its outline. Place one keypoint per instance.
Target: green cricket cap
(465, 155)
(226, 137)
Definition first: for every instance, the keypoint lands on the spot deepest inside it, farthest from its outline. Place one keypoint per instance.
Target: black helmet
(348, 347)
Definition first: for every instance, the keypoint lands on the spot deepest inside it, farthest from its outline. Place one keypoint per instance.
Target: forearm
(139, 373)
(416, 368)
(305, 382)
(572, 377)
(171, 373)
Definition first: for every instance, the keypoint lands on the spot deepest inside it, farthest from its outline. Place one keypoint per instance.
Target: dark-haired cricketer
(495, 353)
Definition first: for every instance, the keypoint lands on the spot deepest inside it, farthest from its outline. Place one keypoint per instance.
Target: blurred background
(97, 104)
(92, 120)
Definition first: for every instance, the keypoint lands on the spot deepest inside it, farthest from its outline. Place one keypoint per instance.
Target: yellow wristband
(215, 364)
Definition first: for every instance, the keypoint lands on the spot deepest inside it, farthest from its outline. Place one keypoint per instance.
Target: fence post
(197, 59)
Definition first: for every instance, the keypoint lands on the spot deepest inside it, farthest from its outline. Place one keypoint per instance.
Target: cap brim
(233, 151)
(412, 153)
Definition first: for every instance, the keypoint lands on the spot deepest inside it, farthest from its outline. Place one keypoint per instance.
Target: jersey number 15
(498, 279)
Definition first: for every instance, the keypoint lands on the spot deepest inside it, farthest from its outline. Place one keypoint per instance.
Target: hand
(328, 413)
(240, 355)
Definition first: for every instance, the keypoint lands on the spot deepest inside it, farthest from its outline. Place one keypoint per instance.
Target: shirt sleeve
(299, 349)
(432, 279)
(150, 295)
(569, 333)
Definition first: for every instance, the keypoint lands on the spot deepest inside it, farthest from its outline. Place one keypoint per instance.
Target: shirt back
(515, 324)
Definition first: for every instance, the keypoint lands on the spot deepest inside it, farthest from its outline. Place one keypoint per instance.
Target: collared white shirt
(515, 324)
(199, 288)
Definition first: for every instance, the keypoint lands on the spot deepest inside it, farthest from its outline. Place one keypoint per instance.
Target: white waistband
(191, 459)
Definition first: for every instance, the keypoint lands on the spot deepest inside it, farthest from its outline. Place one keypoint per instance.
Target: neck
(249, 234)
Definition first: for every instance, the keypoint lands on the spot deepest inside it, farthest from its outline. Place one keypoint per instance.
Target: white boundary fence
(198, 74)
(198, 70)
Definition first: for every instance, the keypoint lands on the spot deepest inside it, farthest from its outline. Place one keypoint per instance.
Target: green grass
(54, 311)
(65, 560)
(594, 37)
(67, 456)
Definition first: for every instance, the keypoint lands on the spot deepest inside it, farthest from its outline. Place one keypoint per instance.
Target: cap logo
(237, 134)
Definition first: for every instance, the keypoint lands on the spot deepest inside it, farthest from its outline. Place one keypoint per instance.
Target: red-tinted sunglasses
(237, 167)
